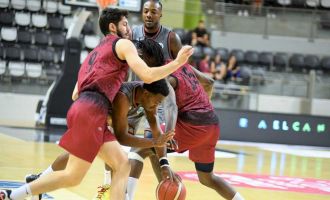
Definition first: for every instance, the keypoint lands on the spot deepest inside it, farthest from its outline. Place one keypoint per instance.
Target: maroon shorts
(200, 140)
(87, 129)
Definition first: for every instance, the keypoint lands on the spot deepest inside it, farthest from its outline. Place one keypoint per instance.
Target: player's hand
(167, 173)
(184, 54)
(172, 145)
(162, 139)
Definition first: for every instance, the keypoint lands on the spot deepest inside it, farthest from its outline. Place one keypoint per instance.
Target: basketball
(168, 190)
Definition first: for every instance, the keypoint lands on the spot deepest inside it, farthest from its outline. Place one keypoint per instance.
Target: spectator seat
(311, 62)
(33, 5)
(55, 23)
(223, 52)
(18, 4)
(33, 70)
(50, 6)
(58, 39)
(22, 18)
(39, 20)
(31, 54)
(325, 64)
(88, 28)
(64, 9)
(239, 55)
(251, 57)
(4, 3)
(265, 59)
(41, 38)
(24, 36)
(9, 34)
(296, 62)
(6, 17)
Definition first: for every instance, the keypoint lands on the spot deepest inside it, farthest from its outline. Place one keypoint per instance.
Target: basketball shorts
(200, 140)
(87, 127)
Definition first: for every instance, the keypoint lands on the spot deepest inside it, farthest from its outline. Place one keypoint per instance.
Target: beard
(120, 34)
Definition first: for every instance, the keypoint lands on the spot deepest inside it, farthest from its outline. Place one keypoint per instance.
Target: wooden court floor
(258, 172)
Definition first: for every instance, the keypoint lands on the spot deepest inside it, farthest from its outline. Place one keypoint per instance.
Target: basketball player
(87, 135)
(171, 44)
(129, 101)
(197, 130)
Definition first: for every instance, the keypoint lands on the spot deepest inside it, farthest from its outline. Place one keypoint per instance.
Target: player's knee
(204, 171)
(120, 162)
(205, 180)
(125, 168)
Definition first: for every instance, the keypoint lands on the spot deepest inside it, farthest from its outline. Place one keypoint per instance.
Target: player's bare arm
(206, 81)
(126, 50)
(75, 92)
(175, 44)
(170, 113)
(152, 119)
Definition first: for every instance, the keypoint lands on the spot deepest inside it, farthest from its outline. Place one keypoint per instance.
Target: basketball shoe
(103, 192)
(4, 194)
(29, 178)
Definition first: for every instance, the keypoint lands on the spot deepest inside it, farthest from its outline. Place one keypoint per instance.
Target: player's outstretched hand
(163, 139)
(184, 54)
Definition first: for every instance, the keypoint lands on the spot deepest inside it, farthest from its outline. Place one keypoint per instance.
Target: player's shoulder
(166, 29)
(129, 87)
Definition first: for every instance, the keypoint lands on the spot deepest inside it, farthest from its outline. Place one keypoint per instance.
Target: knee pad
(135, 156)
(204, 167)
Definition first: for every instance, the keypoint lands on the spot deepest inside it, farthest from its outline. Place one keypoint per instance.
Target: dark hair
(156, 1)
(110, 15)
(157, 87)
(150, 51)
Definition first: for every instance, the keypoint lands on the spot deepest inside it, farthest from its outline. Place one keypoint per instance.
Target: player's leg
(136, 158)
(112, 154)
(209, 179)
(203, 157)
(59, 164)
(71, 176)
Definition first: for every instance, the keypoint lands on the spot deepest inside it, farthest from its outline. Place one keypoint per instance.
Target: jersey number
(91, 60)
(190, 77)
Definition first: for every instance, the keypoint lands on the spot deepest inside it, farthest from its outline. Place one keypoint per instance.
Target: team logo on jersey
(161, 44)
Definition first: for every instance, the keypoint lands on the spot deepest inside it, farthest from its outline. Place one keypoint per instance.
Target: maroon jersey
(102, 70)
(193, 103)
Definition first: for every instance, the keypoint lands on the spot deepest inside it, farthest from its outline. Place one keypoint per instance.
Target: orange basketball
(105, 3)
(168, 190)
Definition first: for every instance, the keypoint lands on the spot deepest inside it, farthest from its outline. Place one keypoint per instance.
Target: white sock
(238, 196)
(107, 177)
(131, 187)
(21, 193)
(44, 173)
(47, 171)
(126, 197)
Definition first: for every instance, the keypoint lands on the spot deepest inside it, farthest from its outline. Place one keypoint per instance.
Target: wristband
(163, 162)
